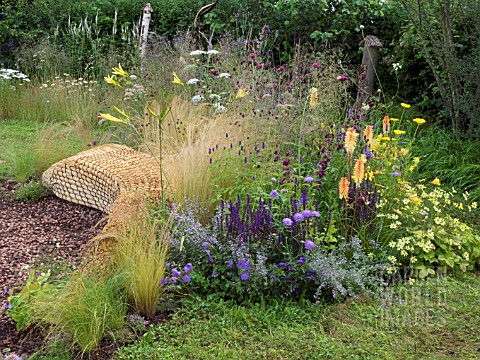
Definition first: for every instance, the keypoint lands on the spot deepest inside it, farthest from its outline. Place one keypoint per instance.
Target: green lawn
(437, 320)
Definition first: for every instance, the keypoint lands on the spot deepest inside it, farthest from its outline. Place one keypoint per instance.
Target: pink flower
(281, 68)
(259, 65)
(215, 72)
(316, 65)
(342, 78)
(252, 55)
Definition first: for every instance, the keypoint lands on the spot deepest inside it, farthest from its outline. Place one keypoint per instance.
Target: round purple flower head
(308, 179)
(298, 217)
(287, 222)
(309, 245)
(244, 275)
(274, 194)
(176, 273)
(307, 213)
(396, 174)
(188, 267)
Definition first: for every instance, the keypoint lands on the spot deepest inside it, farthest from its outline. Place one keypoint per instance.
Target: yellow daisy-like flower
(406, 106)
(394, 119)
(343, 187)
(176, 79)
(399, 132)
(436, 181)
(384, 138)
(419, 121)
(350, 141)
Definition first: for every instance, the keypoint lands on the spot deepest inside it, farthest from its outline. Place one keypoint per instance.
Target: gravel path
(46, 233)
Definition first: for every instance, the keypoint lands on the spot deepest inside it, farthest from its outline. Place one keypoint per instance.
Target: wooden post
(366, 73)
(147, 15)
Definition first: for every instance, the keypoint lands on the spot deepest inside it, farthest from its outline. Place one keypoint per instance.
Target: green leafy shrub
(30, 192)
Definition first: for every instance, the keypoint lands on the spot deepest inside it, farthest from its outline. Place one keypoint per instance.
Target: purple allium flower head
(244, 275)
(308, 179)
(230, 263)
(298, 217)
(164, 281)
(206, 245)
(274, 180)
(287, 222)
(176, 273)
(301, 260)
(188, 267)
(186, 278)
(274, 194)
(309, 245)
(396, 174)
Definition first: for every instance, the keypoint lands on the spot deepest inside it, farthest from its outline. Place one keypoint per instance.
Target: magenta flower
(281, 68)
(252, 55)
(309, 245)
(215, 72)
(316, 65)
(342, 78)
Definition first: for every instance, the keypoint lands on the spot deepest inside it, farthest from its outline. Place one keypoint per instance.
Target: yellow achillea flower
(350, 141)
(399, 132)
(394, 119)
(343, 187)
(436, 181)
(313, 97)
(419, 121)
(176, 80)
(359, 170)
(368, 135)
(406, 106)
(386, 124)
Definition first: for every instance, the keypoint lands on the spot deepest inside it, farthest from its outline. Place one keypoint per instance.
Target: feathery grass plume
(343, 188)
(313, 97)
(368, 135)
(359, 170)
(386, 124)
(351, 141)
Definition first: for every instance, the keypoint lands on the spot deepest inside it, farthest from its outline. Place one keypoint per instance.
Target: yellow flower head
(414, 199)
(399, 132)
(176, 80)
(386, 124)
(419, 121)
(111, 80)
(394, 119)
(241, 93)
(406, 106)
(350, 141)
(359, 170)
(313, 97)
(368, 135)
(343, 187)
(111, 118)
(436, 181)
(119, 71)
(404, 151)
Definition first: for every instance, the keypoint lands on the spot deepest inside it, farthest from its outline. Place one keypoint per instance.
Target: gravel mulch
(43, 234)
